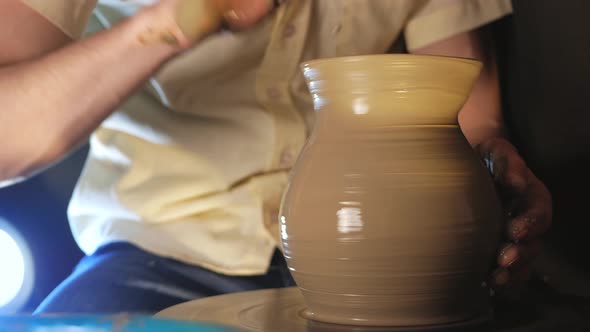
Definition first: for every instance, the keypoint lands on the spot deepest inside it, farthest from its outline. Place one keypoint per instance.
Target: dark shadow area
(544, 54)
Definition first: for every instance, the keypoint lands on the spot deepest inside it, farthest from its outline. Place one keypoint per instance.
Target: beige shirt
(193, 166)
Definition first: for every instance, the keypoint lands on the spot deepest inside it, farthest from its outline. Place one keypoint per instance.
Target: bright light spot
(284, 234)
(350, 203)
(12, 263)
(349, 220)
(360, 106)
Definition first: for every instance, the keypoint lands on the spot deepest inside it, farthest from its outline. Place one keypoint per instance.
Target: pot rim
(397, 58)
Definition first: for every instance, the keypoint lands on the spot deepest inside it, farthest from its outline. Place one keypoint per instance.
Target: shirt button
(287, 159)
(337, 29)
(289, 30)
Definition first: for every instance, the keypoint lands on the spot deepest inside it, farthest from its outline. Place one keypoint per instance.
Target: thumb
(197, 18)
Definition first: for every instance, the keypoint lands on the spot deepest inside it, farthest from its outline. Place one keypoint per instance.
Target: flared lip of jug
(392, 59)
(392, 71)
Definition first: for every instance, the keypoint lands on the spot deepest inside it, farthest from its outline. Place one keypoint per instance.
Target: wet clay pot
(390, 217)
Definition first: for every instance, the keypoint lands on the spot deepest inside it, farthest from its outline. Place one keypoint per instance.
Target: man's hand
(184, 22)
(527, 206)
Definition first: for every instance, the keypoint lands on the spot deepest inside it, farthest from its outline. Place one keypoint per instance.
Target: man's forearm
(51, 103)
(481, 116)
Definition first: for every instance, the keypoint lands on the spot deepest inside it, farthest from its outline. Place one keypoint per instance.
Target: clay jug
(390, 218)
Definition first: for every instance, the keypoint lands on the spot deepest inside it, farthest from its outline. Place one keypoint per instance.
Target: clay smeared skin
(390, 218)
(169, 38)
(150, 36)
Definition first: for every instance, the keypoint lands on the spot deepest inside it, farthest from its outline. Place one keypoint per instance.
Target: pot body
(390, 218)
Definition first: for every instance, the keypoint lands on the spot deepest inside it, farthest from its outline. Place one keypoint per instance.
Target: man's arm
(527, 200)
(52, 95)
(481, 116)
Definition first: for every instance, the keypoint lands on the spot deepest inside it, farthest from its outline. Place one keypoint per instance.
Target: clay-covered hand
(527, 206)
(183, 22)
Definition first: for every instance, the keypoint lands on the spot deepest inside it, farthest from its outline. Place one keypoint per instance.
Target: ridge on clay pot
(390, 217)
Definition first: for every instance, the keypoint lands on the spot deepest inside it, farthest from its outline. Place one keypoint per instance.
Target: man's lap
(123, 278)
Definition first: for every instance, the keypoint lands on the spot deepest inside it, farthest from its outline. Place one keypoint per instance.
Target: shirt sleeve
(437, 20)
(71, 16)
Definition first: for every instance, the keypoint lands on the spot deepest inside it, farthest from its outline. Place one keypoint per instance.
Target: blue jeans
(123, 278)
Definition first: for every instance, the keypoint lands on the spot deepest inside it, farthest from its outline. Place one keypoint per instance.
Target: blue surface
(121, 323)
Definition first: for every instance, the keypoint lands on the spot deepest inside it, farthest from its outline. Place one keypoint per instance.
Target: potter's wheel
(283, 310)
(280, 310)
